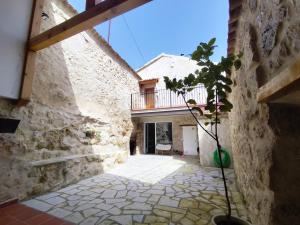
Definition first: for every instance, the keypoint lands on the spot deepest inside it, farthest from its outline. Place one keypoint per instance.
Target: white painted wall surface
(15, 18)
(167, 65)
(207, 145)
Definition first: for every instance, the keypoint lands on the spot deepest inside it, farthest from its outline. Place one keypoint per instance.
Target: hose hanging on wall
(225, 158)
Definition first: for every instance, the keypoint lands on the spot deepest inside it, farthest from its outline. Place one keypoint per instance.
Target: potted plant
(216, 79)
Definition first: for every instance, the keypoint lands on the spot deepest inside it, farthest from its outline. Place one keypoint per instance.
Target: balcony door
(157, 133)
(149, 98)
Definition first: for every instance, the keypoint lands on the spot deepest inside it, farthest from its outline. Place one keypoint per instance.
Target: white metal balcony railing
(163, 99)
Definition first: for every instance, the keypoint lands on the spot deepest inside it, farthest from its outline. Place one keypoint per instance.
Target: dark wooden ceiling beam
(90, 4)
(102, 12)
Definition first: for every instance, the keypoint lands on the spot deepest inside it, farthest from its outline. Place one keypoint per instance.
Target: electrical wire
(134, 39)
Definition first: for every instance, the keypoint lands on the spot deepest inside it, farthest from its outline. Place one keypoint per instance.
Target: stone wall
(78, 121)
(265, 136)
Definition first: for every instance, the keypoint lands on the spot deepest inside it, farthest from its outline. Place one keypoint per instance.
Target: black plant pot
(223, 220)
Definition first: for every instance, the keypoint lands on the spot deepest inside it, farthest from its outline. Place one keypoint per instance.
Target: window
(164, 133)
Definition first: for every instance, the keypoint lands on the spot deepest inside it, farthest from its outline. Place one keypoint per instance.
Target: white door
(190, 140)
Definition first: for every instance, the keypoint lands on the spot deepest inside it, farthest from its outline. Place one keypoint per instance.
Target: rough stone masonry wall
(265, 137)
(78, 121)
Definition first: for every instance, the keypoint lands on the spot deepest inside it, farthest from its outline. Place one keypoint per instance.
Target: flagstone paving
(145, 190)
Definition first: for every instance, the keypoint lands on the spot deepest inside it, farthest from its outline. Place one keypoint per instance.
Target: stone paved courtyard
(145, 190)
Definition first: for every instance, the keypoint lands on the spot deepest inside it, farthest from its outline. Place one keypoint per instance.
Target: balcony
(165, 100)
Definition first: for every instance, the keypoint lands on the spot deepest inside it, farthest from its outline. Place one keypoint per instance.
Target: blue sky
(169, 26)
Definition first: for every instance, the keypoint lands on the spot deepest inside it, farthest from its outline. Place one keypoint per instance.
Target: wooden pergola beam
(29, 66)
(281, 84)
(102, 12)
(89, 4)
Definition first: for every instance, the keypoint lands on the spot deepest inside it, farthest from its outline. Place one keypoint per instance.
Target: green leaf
(198, 109)
(212, 42)
(192, 102)
(237, 64)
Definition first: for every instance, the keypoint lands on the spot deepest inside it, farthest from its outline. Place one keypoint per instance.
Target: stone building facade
(78, 122)
(265, 136)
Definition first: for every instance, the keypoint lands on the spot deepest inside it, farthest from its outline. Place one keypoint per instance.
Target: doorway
(190, 140)
(150, 138)
(150, 98)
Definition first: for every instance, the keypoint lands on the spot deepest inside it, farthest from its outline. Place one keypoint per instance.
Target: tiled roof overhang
(150, 81)
(235, 8)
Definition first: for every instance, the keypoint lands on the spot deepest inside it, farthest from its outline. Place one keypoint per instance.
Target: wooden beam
(281, 83)
(89, 4)
(29, 67)
(100, 13)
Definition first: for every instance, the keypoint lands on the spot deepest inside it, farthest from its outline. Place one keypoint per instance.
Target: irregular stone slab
(139, 206)
(138, 218)
(73, 197)
(60, 213)
(192, 217)
(121, 194)
(55, 200)
(155, 192)
(90, 212)
(122, 204)
(115, 200)
(90, 221)
(162, 213)
(155, 219)
(124, 220)
(38, 205)
(75, 218)
(84, 207)
(70, 191)
(97, 201)
(85, 193)
(119, 187)
(186, 203)
(140, 199)
(154, 198)
(104, 206)
(186, 221)
(177, 217)
(109, 194)
(47, 196)
(168, 202)
(115, 211)
(170, 209)
(131, 212)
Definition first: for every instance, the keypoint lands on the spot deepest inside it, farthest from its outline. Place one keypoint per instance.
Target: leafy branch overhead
(214, 76)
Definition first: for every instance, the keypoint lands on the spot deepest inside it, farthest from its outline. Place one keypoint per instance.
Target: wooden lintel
(29, 66)
(281, 83)
(86, 20)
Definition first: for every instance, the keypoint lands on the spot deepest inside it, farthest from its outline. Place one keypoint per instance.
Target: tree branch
(210, 134)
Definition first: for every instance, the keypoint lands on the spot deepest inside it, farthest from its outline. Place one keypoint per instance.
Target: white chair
(163, 148)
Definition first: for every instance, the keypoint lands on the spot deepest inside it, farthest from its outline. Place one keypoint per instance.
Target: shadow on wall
(53, 144)
(285, 171)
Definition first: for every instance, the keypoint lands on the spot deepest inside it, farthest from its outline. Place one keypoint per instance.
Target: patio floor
(145, 190)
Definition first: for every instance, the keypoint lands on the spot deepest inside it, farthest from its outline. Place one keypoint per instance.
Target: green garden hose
(225, 158)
